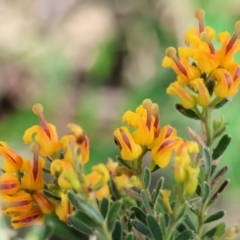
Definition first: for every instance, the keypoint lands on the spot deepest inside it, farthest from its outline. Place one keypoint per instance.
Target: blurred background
(88, 62)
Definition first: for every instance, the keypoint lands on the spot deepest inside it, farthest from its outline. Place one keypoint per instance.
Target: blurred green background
(89, 61)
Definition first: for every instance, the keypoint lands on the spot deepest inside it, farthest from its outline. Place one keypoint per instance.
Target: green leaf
(130, 236)
(48, 230)
(122, 162)
(104, 205)
(117, 231)
(132, 193)
(187, 112)
(113, 214)
(207, 160)
(141, 228)
(155, 168)
(154, 227)
(79, 225)
(220, 131)
(82, 216)
(216, 231)
(50, 195)
(189, 223)
(205, 192)
(159, 186)
(219, 105)
(146, 178)
(114, 191)
(218, 176)
(185, 235)
(93, 213)
(199, 190)
(146, 202)
(216, 216)
(73, 199)
(140, 215)
(221, 147)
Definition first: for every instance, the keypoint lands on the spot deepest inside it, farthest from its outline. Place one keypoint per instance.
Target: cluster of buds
(205, 76)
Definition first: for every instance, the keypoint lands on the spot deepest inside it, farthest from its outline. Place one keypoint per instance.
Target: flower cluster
(146, 136)
(22, 183)
(162, 142)
(205, 75)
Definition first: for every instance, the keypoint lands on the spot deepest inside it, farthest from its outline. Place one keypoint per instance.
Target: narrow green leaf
(50, 195)
(79, 225)
(117, 231)
(146, 202)
(220, 131)
(219, 105)
(113, 214)
(187, 112)
(99, 235)
(205, 192)
(216, 216)
(146, 178)
(155, 168)
(216, 231)
(141, 228)
(221, 147)
(73, 199)
(132, 193)
(163, 224)
(130, 236)
(199, 190)
(154, 227)
(218, 176)
(207, 160)
(189, 223)
(82, 216)
(114, 191)
(185, 235)
(93, 213)
(159, 186)
(140, 215)
(122, 162)
(104, 205)
(162, 205)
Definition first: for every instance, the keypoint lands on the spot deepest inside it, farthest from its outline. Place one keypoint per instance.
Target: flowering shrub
(114, 201)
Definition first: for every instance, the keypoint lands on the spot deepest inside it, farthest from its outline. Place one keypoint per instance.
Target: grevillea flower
(183, 171)
(32, 178)
(34, 216)
(79, 137)
(129, 149)
(18, 202)
(45, 135)
(64, 208)
(163, 146)
(12, 162)
(9, 184)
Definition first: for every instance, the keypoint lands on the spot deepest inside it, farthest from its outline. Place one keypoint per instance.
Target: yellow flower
(99, 176)
(111, 166)
(33, 179)
(12, 162)
(60, 168)
(129, 149)
(184, 71)
(203, 98)
(43, 202)
(32, 217)
(9, 184)
(121, 181)
(81, 140)
(188, 100)
(64, 208)
(103, 192)
(143, 121)
(19, 202)
(45, 136)
(192, 180)
(166, 199)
